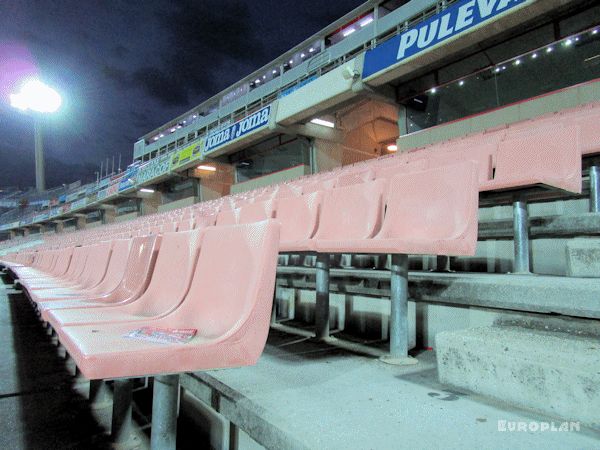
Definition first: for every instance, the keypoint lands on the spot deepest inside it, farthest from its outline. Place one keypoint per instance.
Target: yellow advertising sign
(187, 154)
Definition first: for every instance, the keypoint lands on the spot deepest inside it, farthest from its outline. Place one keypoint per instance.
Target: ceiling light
(147, 190)
(325, 123)
(366, 22)
(392, 148)
(348, 32)
(207, 168)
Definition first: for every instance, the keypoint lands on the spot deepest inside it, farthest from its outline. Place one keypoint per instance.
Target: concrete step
(550, 372)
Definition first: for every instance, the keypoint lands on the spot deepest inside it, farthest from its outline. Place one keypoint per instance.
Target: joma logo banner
(252, 122)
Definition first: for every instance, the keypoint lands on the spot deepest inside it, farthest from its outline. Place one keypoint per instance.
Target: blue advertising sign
(254, 121)
(457, 18)
(297, 86)
(128, 180)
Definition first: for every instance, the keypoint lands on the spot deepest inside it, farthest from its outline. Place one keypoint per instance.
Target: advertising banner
(153, 169)
(189, 153)
(253, 122)
(458, 18)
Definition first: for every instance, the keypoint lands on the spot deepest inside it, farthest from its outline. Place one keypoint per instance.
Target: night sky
(124, 68)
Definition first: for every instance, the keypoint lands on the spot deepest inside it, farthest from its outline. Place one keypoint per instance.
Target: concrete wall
(188, 201)
(277, 177)
(125, 217)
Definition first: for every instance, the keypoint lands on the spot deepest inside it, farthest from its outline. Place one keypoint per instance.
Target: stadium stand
(445, 222)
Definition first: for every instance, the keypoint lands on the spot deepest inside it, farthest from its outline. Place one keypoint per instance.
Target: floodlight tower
(41, 99)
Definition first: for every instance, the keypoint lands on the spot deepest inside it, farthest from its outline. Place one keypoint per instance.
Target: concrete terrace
(301, 394)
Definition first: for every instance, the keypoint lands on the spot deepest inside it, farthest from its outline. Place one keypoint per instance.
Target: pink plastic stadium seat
(166, 290)
(228, 217)
(114, 274)
(299, 218)
(232, 318)
(320, 185)
(185, 225)
(550, 158)
(589, 132)
(204, 220)
(354, 177)
(483, 155)
(256, 212)
(433, 212)
(134, 282)
(351, 213)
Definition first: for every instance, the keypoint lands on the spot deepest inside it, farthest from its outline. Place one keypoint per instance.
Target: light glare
(207, 168)
(36, 96)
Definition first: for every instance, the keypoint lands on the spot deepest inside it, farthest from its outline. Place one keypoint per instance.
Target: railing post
(322, 292)
(594, 189)
(399, 313)
(99, 395)
(122, 425)
(164, 412)
(521, 237)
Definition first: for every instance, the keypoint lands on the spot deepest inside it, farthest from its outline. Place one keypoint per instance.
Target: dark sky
(124, 68)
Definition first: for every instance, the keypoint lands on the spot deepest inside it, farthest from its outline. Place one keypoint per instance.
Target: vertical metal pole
(99, 394)
(322, 291)
(234, 436)
(40, 175)
(399, 307)
(164, 412)
(399, 312)
(521, 237)
(122, 427)
(443, 264)
(594, 189)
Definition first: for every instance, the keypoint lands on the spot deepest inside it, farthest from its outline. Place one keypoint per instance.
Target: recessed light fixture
(207, 168)
(325, 123)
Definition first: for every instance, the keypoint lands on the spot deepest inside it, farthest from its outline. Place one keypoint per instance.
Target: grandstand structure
(403, 209)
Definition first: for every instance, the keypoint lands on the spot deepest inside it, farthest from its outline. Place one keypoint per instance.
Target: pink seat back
(185, 225)
(299, 217)
(231, 293)
(552, 155)
(140, 264)
(432, 206)
(352, 212)
(256, 212)
(203, 220)
(589, 133)
(354, 177)
(117, 266)
(96, 264)
(170, 282)
(320, 185)
(228, 217)
(483, 155)
(169, 227)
